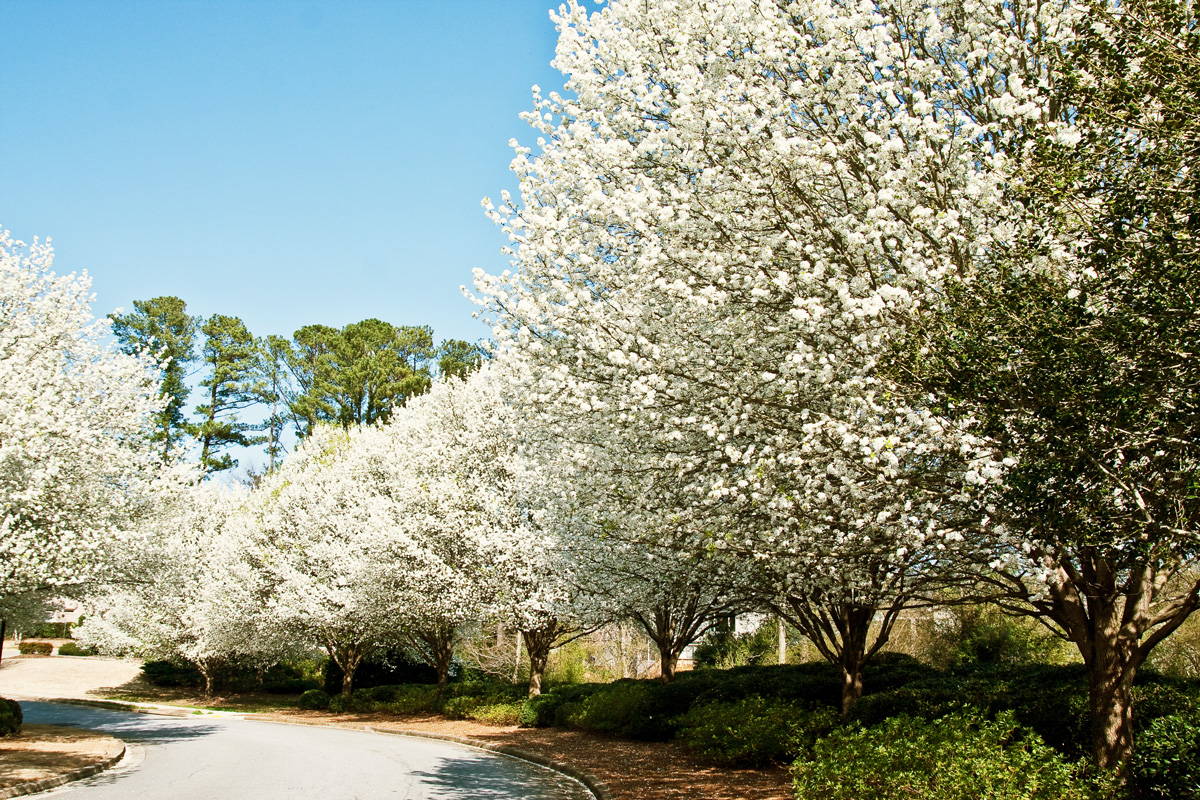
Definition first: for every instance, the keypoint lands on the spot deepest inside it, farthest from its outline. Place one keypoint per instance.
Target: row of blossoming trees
(825, 308)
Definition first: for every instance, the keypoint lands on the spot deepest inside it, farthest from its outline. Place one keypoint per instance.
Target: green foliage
(753, 731)
(314, 700)
(723, 648)
(411, 699)
(170, 674)
(983, 636)
(962, 756)
(357, 375)
(1166, 759)
(457, 358)
(568, 664)
(11, 717)
(543, 710)
(72, 649)
(161, 327)
(32, 648)
(627, 708)
(462, 706)
(288, 678)
(497, 713)
(391, 668)
(232, 357)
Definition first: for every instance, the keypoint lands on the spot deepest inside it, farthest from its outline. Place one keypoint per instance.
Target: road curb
(32, 787)
(596, 786)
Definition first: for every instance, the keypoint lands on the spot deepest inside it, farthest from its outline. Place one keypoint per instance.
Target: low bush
(10, 717)
(410, 699)
(461, 707)
(386, 669)
(753, 731)
(961, 756)
(72, 649)
(171, 674)
(314, 700)
(287, 678)
(32, 648)
(626, 708)
(543, 710)
(497, 713)
(1166, 760)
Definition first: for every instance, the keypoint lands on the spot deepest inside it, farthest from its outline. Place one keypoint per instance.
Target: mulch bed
(46, 752)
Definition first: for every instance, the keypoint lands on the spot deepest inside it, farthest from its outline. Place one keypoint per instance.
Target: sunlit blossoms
(76, 472)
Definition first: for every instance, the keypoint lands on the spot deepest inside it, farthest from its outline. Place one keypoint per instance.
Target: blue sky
(286, 162)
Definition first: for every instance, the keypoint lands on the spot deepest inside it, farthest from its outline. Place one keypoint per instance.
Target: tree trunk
(852, 687)
(538, 644)
(207, 675)
(781, 640)
(668, 660)
(1110, 702)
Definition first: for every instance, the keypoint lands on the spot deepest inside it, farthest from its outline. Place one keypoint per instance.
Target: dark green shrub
(32, 648)
(753, 731)
(170, 674)
(489, 688)
(10, 717)
(541, 711)
(411, 699)
(962, 756)
(357, 702)
(1166, 757)
(287, 678)
(314, 700)
(72, 649)
(461, 707)
(386, 669)
(626, 708)
(496, 713)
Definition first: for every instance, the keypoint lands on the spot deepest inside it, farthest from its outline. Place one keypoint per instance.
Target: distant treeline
(349, 376)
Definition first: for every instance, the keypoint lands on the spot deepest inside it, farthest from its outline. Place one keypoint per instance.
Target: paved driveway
(201, 758)
(62, 676)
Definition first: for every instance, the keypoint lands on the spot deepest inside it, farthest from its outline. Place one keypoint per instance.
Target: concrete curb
(32, 787)
(596, 786)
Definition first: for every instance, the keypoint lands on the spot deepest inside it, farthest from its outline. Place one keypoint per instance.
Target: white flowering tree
(314, 537)
(76, 471)
(183, 593)
(1075, 345)
(741, 212)
(732, 213)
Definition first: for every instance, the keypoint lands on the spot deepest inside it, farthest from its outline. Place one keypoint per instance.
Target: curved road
(201, 758)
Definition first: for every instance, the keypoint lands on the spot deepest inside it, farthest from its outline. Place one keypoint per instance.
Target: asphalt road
(201, 758)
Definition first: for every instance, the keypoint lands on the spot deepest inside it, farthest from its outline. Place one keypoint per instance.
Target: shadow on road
(482, 777)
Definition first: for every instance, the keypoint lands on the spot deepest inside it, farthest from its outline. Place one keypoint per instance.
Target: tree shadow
(494, 777)
(128, 725)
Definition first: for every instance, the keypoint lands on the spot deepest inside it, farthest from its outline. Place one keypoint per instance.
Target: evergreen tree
(458, 358)
(359, 374)
(231, 355)
(274, 389)
(161, 327)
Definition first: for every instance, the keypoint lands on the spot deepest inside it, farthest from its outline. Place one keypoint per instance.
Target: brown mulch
(632, 770)
(41, 752)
